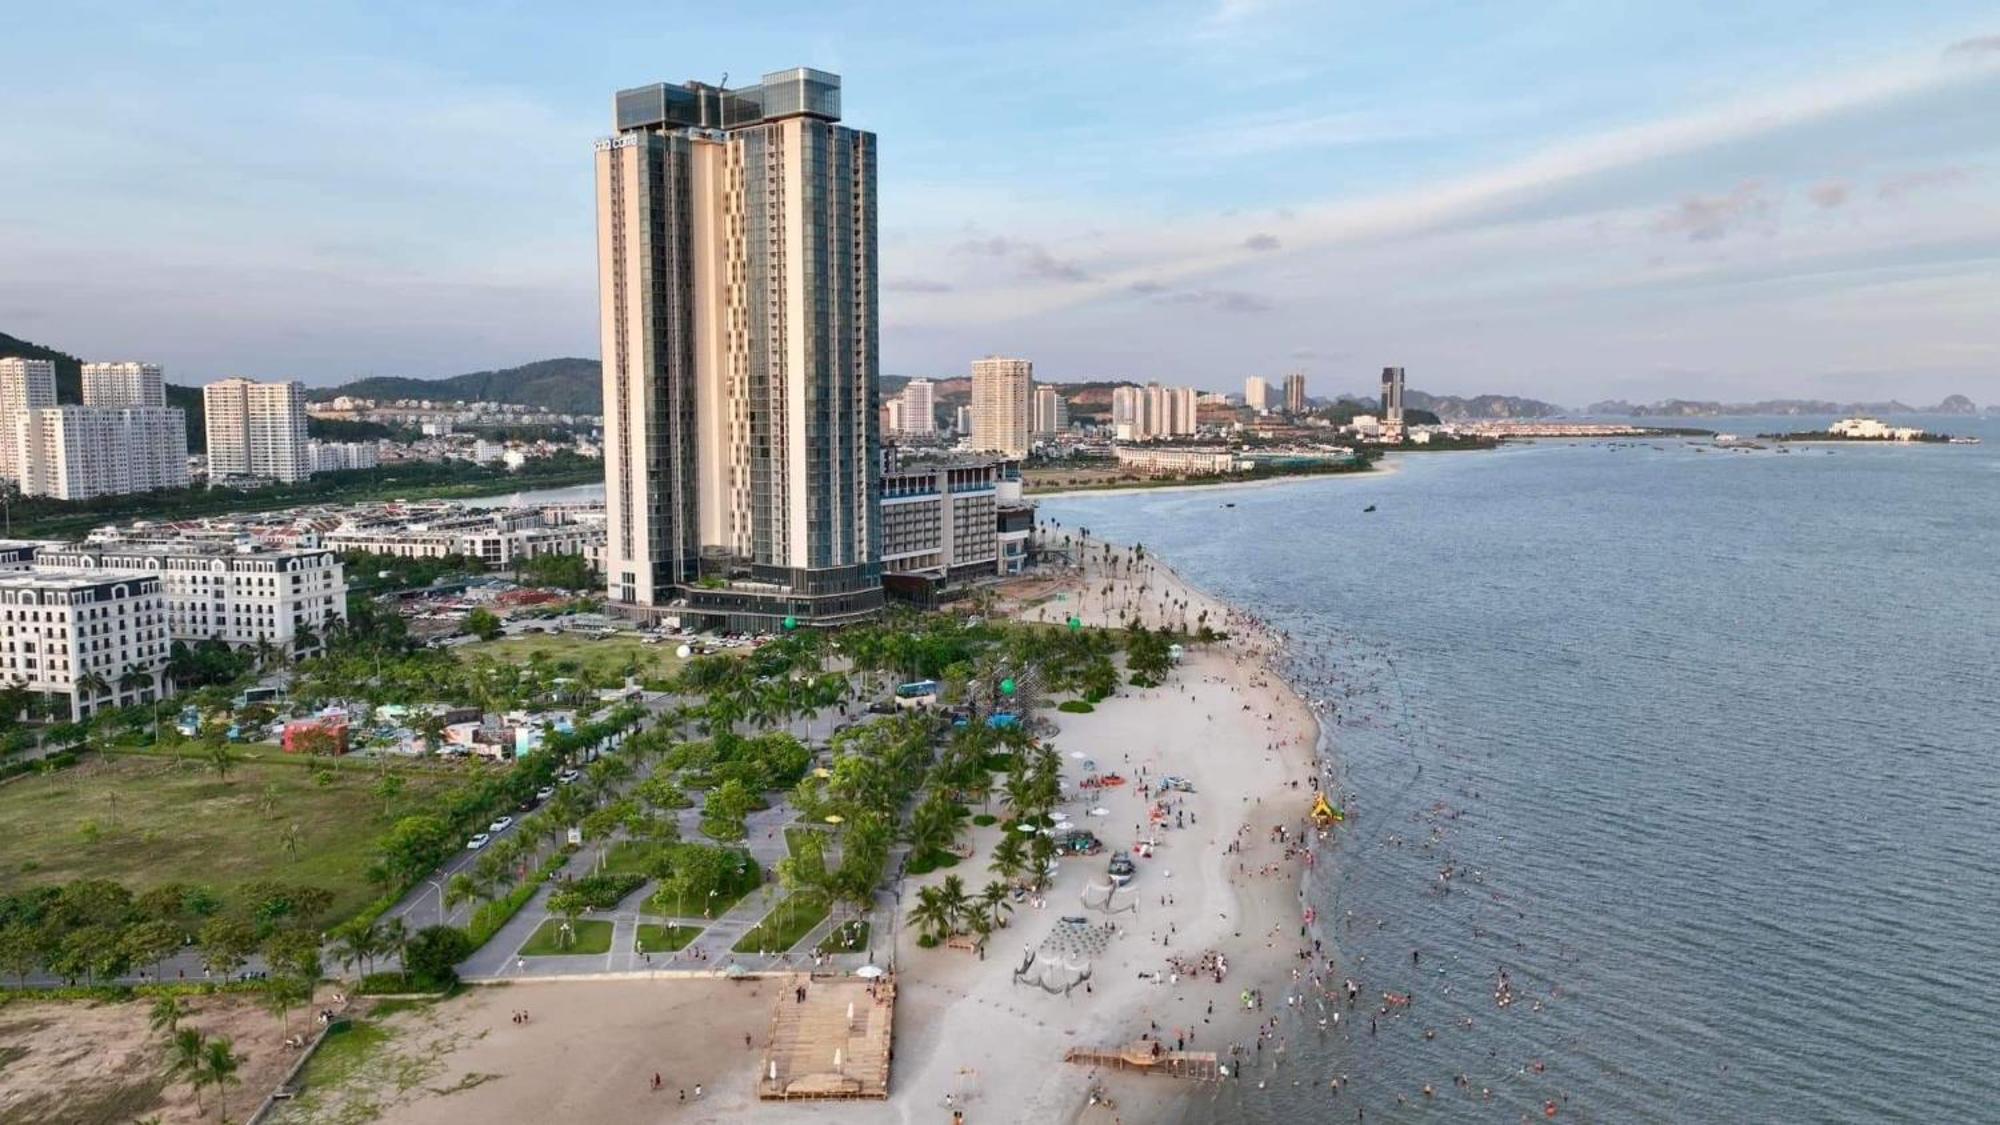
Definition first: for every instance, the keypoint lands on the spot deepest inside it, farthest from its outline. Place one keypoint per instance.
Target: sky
(1568, 200)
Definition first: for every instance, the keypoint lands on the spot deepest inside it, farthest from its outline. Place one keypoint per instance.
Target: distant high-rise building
(736, 250)
(961, 420)
(1257, 393)
(894, 417)
(256, 430)
(1002, 410)
(919, 407)
(25, 384)
(123, 384)
(74, 452)
(1051, 411)
(1392, 403)
(1295, 393)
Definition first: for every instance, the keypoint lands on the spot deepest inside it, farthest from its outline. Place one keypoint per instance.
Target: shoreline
(1382, 467)
(1263, 896)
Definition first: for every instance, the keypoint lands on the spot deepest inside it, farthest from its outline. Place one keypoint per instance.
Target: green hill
(566, 386)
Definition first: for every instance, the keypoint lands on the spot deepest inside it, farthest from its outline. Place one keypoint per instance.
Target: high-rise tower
(1002, 405)
(737, 291)
(1392, 403)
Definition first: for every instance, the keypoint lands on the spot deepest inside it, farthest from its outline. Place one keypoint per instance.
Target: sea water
(1702, 748)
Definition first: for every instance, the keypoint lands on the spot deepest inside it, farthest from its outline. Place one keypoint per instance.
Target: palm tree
(1010, 856)
(992, 902)
(352, 944)
(395, 940)
(132, 681)
(304, 640)
(92, 684)
(931, 915)
(956, 900)
(166, 1014)
(283, 995)
(184, 1060)
(461, 888)
(218, 1068)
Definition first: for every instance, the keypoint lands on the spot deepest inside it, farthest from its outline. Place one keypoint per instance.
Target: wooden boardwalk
(1138, 1057)
(836, 1044)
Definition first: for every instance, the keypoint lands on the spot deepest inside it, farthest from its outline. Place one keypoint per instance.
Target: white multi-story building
(257, 430)
(961, 420)
(498, 540)
(25, 384)
(1153, 411)
(334, 456)
(1257, 393)
(94, 639)
(919, 401)
(78, 452)
(123, 384)
(955, 519)
(243, 596)
(1176, 461)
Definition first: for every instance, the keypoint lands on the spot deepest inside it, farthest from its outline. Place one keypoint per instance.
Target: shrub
(433, 956)
(927, 941)
(986, 820)
(605, 890)
(1076, 706)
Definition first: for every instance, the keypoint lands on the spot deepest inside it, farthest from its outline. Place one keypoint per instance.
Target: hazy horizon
(1640, 203)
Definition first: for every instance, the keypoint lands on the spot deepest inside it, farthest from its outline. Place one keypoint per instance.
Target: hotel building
(736, 249)
(1295, 393)
(243, 596)
(78, 452)
(92, 639)
(919, 408)
(25, 384)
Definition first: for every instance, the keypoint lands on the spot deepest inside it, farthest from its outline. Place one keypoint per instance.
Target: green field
(144, 821)
(787, 922)
(606, 656)
(591, 937)
(665, 939)
(629, 857)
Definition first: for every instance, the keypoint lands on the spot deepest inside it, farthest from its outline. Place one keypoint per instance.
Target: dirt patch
(76, 1063)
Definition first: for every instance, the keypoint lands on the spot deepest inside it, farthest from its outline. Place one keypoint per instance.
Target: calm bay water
(1706, 740)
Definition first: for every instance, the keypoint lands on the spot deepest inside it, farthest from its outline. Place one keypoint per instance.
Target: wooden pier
(834, 1045)
(1139, 1057)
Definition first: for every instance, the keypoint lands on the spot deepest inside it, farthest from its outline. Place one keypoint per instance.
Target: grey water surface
(1709, 741)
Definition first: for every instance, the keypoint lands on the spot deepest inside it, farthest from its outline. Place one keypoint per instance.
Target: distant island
(1868, 429)
(1689, 408)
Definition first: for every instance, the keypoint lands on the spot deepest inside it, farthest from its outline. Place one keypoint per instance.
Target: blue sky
(1568, 200)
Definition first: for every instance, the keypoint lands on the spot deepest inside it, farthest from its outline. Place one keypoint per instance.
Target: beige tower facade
(1002, 405)
(737, 290)
(256, 430)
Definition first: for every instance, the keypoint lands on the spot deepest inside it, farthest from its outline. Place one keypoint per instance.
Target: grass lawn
(793, 832)
(716, 907)
(655, 938)
(337, 1060)
(609, 655)
(591, 937)
(629, 857)
(787, 922)
(144, 821)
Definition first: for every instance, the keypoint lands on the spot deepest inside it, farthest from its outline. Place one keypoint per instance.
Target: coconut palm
(932, 915)
(166, 1014)
(992, 902)
(184, 1061)
(219, 1065)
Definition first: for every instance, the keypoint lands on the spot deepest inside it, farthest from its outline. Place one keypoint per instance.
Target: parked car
(477, 842)
(501, 825)
(545, 792)
(567, 776)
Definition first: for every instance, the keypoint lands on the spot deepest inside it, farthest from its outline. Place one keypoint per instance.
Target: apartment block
(79, 452)
(736, 239)
(25, 384)
(123, 384)
(257, 430)
(1002, 406)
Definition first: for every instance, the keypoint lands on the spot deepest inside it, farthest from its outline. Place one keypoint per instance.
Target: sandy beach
(1380, 469)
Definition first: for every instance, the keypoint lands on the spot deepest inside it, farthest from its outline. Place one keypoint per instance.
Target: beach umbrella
(822, 772)
(835, 818)
(735, 972)
(1077, 754)
(1007, 686)
(870, 971)
(791, 623)
(1100, 811)
(1025, 827)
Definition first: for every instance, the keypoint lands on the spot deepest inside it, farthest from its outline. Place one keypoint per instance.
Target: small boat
(1369, 508)
(1231, 504)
